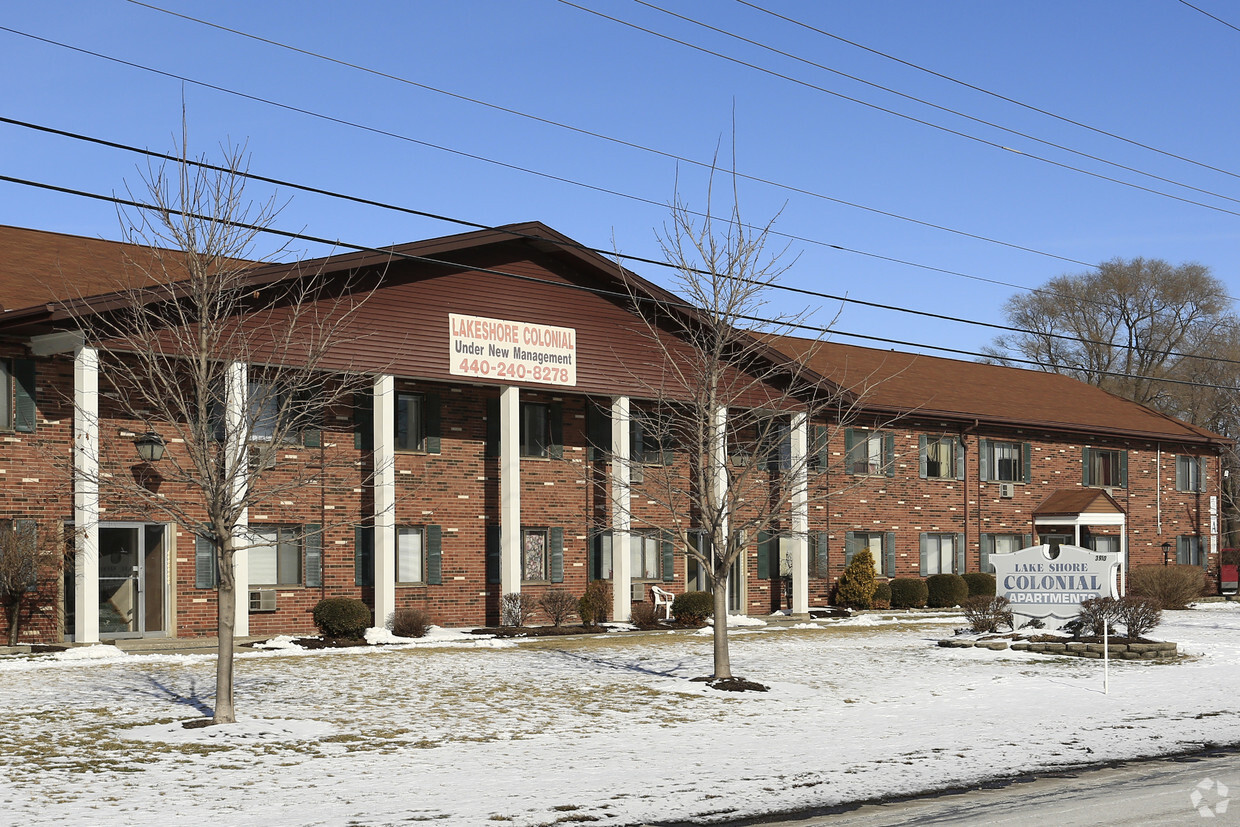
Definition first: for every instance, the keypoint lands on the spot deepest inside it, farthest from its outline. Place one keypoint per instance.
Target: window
(1008, 543)
(410, 559)
(1104, 542)
(535, 429)
(940, 457)
(1004, 461)
(696, 579)
(1104, 468)
(937, 551)
(869, 453)
(600, 563)
(1189, 550)
(645, 554)
(275, 557)
(534, 556)
(819, 555)
(855, 541)
(646, 443)
(264, 411)
(1000, 544)
(1190, 473)
(410, 422)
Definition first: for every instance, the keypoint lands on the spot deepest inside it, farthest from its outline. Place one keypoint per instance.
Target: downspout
(1158, 485)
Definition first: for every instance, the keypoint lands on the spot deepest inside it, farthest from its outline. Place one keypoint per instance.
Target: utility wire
(545, 175)
(997, 95)
(902, 115)
(1211, 16)
(573, 245)
(613, 294)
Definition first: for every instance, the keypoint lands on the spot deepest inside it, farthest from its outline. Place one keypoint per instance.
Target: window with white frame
(1189, 473)
(940, 457)
(410, 555)
(867, 456)
(1008, 543)
(1189, 550)
(275, 559)
(1105, 468)
(872, 541)
(410, 425)
(645, 555)
(938, 551)
(534, 554)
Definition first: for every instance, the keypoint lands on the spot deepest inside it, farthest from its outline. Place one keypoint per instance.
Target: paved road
(1140, 793)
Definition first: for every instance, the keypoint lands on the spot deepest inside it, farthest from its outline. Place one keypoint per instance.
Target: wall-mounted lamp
(150, 447)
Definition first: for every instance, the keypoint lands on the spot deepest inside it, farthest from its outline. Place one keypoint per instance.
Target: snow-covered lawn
(586, 729)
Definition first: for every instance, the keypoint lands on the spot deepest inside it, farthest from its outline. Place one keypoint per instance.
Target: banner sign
(504, 351)
(1040, 585)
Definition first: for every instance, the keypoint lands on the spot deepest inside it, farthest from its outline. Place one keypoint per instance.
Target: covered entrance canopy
(1083, 507)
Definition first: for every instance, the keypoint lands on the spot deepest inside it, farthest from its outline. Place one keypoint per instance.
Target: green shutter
(309, 416)
(556, 412)
(986, 547)
(364, 420)
(431, 404)
(363, 556)
(557, 554)
(925, 553)
(313, 544)
(921, 454)
(1181, 473)
(962, 558)
(492, 449)
(850, 547)
(434, 555)
(822, 553)
(1123, 469)
(492, 553)
(24, 407)
(822, 451)
(1026, 540)
(889, 454)
(959, 459)
(848, 448)
(669, 557)
(204, 563)
(764, 555)
(984, 452)
(598, 431)
(1085, 480)
(1028, 460)
(1181, 550)
(889, 554)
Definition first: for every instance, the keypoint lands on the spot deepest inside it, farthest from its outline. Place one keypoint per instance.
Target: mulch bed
(329, 642)
(732, 684)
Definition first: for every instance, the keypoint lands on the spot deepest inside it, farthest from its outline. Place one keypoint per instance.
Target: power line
(625, 296)
(626, 257)
(1211, 16)
(997, 95)
(907, 117)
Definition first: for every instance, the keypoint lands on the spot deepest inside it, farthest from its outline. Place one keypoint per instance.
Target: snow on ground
(586, 729)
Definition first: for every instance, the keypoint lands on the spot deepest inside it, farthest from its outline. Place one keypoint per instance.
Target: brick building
(467, 485)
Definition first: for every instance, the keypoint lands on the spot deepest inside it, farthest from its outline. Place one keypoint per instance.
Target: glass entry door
(132, 596)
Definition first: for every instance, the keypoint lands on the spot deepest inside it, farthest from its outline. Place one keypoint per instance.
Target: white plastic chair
(664, 598)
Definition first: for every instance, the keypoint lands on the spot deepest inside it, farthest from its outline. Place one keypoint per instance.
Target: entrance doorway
(132, 580)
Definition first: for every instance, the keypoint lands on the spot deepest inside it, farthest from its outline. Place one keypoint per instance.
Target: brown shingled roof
(931, 386)
(1077, 500)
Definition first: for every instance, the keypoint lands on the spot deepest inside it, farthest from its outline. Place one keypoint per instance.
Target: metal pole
(1106, 659)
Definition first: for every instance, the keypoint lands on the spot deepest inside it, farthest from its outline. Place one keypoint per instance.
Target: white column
(719, 473)
(86, 493)
(621, 513)
(385, 498)
(509, 490)
(799, 464)
(237, 431)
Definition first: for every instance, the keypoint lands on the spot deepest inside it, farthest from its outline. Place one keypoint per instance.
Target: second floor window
(1004, 461)
(940, 458)
(410, 428)
(535, 429)
(869, 453)
(1104, 468)
(1189, 473)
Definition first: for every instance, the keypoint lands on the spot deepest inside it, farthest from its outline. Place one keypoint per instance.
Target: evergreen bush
(946, 590)
(980, 583)
(856, 587)
(882, 595)
(1174, 587)
(908, 593)
(692, 608)
(594, 603)
(345, 617)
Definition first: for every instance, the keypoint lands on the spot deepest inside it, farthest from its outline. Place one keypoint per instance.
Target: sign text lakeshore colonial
(1045, 581)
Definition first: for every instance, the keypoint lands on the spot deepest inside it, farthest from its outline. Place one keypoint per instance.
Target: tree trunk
(15, 613)
(227, 618)
(723, 662)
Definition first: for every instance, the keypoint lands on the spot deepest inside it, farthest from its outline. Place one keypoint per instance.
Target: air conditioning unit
(262, 600)
(1007, 490)
(262, 457)
(639, 592)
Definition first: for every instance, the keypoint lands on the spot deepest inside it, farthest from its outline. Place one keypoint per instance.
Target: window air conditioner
(1007, 490)
(639, 592)
(262, 600)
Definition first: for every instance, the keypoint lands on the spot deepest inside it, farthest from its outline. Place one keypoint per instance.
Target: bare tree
(225, 359)
(27, 556)
(725, 398)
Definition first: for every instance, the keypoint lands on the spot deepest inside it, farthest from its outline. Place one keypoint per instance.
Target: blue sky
(1156, 72)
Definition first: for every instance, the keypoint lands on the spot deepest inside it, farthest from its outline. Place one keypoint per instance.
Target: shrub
(1139, 615)
(1174, 587)
(341, 617)
(594, 603)
(980, 583)
(1096, 614)
(644, 616)
(987, 614)
(558, 604)
(515, 608)
(908, 593)
(882, 595)
(856, 586)
(410, 623)
(692, 608)
(945, 590)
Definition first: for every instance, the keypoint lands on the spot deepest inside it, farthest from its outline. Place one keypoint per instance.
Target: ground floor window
(1189, 550)
(645, 555)
(275, 557)
(937, 551)
(873, 541)
(534, 554)
(410, 556)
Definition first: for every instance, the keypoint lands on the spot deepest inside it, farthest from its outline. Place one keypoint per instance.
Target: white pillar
(385, 498)
(509, 490)
(237, 429)
(621, 513)
(86, 493)
(719, 474)
(799, 464)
